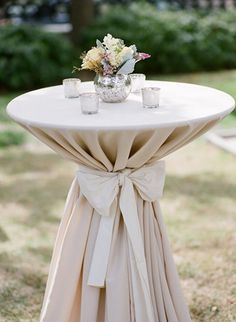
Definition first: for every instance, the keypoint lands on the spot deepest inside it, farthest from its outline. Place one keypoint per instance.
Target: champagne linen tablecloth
(122, 136)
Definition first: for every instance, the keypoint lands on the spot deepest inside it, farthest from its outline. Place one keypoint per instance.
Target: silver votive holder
(137, 82)
(151, 97)
(71, 87)
(89, 102)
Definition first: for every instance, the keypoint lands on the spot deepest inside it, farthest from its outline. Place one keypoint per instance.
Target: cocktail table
(112, 260)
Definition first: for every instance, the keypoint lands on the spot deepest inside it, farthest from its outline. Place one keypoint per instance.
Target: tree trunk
(82, 14)
(2, 4)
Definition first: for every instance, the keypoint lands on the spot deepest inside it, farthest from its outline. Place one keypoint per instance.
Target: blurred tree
(3, 2)
(82, 14)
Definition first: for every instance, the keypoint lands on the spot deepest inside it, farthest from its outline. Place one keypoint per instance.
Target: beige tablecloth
(68, 296)
(112, 261)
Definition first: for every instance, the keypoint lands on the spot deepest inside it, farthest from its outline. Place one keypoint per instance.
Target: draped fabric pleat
(68, 297)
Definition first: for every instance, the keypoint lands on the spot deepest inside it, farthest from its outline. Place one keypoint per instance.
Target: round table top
(180, 104)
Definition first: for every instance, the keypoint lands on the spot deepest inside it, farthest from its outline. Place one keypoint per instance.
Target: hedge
(179, 41)
(30, 57)
(9, 137)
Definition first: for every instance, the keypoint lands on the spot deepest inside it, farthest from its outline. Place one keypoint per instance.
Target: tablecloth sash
(104, 191)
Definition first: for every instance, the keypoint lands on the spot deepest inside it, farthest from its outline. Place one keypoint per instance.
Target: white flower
(112, 43)
(111, 56)
(114, 58)
(92, 59)
(126, 53)
(95, 54)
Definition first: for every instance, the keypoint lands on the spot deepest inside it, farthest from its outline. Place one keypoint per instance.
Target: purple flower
(107, 68)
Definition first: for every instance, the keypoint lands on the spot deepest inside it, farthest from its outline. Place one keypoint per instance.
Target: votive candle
(137, 82)
(71, 87)
(151, 97)
(89, 102)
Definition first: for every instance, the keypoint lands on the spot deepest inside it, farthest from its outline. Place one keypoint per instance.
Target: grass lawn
(198, 207)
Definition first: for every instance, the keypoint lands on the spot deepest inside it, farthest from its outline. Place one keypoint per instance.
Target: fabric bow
(101, 189)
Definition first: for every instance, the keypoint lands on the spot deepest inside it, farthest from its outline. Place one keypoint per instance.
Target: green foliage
(179, 41)
(5, 98)
(30, 57)
(9, 137)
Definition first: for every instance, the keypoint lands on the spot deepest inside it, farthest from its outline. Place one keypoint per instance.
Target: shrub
(179, 41)
(9, 137)
(30, 57)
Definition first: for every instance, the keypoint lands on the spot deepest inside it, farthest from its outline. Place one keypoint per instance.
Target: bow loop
(149, 181)
(99, 188)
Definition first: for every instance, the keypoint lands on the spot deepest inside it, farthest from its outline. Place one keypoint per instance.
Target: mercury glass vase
(113, 88)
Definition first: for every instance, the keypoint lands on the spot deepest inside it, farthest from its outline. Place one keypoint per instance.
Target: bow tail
(129, 211)
(99, 264)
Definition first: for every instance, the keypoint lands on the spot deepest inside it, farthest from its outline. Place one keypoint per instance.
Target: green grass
(224, 80)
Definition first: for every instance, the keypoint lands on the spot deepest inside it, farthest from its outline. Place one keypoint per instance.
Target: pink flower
(142, 56)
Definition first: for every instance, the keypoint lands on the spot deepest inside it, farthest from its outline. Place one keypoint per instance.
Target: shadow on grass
(41, 252)
(3, 235)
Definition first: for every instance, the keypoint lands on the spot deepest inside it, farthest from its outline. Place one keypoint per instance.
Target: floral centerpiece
(112, 61)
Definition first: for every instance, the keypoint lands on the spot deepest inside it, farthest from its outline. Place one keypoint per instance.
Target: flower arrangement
(111, 57)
